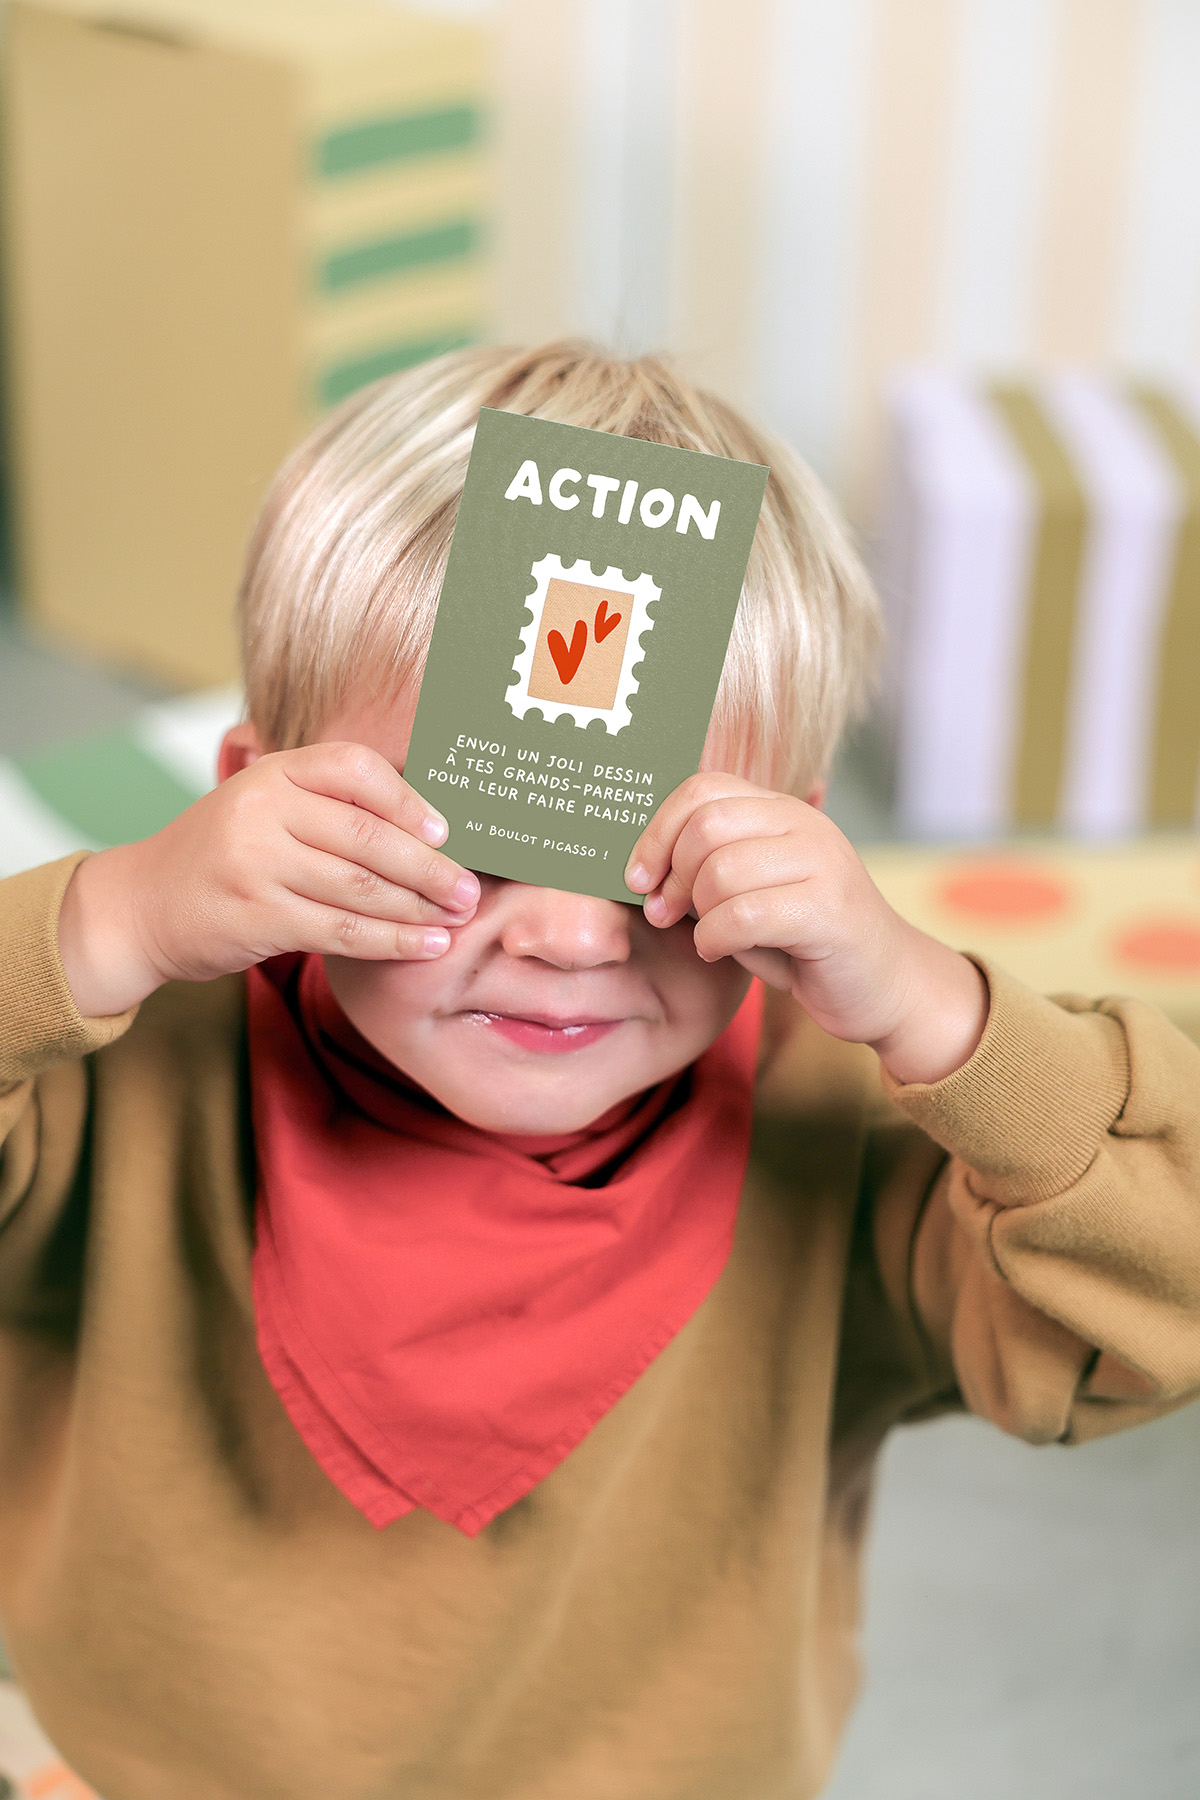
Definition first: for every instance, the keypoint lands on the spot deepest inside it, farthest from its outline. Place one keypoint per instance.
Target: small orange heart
(567, 657)
(604, 624)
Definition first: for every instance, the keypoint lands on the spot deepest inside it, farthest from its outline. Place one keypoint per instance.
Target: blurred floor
(1033, 1622)
(48, 693)
(1033, 1619)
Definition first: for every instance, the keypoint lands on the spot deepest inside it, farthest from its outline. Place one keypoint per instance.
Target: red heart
(605, 625)
(568, 658)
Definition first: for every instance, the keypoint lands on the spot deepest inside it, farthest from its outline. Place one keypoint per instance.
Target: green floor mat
(106, 787)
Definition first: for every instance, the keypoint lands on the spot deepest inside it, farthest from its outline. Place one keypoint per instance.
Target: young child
(448, 1324)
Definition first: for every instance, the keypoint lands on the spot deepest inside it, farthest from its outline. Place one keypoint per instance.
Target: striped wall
(798, 195)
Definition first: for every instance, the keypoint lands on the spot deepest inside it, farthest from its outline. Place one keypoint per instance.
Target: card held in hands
(579, 640)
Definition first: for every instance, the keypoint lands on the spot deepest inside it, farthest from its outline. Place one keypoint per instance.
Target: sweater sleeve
(40, 1023)
(1049, 1259)
(43, 1038)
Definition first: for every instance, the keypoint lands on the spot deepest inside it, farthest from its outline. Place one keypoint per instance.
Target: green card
(579, 639)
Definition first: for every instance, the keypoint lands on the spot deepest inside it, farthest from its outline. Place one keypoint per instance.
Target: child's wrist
(99, 943)
(943, 1018)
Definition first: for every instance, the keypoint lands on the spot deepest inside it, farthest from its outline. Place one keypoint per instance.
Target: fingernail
(437, 941)
(434, 829)
(466, 891)
(637, 878)
(655, 907)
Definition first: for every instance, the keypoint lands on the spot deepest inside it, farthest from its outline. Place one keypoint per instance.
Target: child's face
(548, 1007)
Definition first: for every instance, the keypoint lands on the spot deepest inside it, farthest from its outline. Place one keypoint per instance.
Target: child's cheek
(385, 1000)
(700, 997)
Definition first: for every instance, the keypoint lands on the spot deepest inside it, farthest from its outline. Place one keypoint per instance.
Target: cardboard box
(221, 217)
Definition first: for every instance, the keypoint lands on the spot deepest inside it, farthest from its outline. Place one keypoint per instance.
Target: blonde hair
(346, 561)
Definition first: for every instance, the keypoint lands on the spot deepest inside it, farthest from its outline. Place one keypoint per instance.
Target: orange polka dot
(1009, 892)
(1161, 946)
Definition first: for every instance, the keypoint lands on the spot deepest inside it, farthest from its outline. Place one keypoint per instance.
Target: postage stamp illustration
(580, 649)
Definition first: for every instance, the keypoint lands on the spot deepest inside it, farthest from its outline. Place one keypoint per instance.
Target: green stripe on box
(396, 139)
(341, 379)
(398, 255)
(107, 787)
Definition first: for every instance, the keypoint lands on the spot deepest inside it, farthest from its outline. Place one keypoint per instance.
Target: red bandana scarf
(446, 1312)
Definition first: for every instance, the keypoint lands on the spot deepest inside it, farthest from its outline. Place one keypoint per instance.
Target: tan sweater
(198, 1614)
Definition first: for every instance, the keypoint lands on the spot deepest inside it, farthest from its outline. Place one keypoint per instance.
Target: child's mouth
(552, 1036)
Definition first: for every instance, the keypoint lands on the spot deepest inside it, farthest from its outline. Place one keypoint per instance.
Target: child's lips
(547, 1035)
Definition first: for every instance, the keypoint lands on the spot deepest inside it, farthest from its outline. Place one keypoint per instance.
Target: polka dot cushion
(1112, 919)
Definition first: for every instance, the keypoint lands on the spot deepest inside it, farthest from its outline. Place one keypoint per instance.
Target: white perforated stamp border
(642, 594)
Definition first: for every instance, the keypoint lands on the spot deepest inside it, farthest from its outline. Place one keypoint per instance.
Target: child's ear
(239, 748)
(816, 795)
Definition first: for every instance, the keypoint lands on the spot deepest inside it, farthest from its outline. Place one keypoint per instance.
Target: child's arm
(1053, 1258)
(1041, 1230)
(321, 848)
(44, 1090)
(325, 848)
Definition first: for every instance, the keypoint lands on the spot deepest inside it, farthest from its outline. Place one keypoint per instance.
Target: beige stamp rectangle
(582, 644)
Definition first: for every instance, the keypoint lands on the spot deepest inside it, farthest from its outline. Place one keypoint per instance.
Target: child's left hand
(773, 883)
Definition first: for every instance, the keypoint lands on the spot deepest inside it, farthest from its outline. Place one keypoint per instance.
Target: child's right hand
(325, 848)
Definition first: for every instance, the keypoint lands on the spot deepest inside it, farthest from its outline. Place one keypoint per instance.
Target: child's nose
(572, 931)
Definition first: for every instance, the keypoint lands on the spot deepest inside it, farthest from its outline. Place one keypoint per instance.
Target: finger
(775, 967)
(747, 864)
(651, 855)
(337, 931)
(362, 777)
(712, 831)
(379, 848)
(333, 881)
(764, 919)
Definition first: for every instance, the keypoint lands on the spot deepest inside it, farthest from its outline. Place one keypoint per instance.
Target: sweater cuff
(1030, 1107)
(40, 1023)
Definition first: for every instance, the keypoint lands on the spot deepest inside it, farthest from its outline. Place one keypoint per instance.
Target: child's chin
(532, 1104)
(534, 1116)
